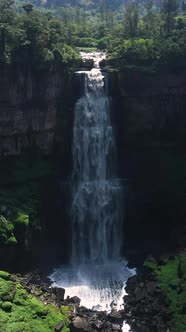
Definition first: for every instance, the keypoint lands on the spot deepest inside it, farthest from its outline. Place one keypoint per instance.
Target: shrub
(22, 218)
(7, 306)
(4, 275)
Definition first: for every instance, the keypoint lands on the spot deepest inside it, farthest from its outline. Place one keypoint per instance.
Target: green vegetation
(6, 231)
(30, 37)
(22, 181)
(4, 275)
(22, 218)
(20, 311)
(142, 34)
(154, 39)
(172, 279)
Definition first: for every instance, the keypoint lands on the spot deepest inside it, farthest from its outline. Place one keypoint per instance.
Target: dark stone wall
(148, 112)
(36, 121)
(35, 109)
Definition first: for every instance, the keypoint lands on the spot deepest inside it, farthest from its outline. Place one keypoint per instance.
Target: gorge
(146, 167)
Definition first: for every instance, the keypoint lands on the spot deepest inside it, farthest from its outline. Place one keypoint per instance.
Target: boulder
(140, 293)
(87, 63)
(59, 293)
(74, 300)
(131, 284)
(98, 325)
(59, 327)
(115, 317)
(79, 324)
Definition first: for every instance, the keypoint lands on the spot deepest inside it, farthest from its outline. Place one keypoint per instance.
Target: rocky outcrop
(82, 319)
(33, 105)
(146, 305)
(87, 63)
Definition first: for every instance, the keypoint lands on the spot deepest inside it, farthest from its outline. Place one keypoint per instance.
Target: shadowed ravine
(97, 273)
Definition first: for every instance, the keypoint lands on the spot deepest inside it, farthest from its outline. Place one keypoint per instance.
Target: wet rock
(98, 325)
(109, 327)
(131, 283)
(96, 307)
(59, 293)
(87, 63)
(59, 327)
(115, 316)
(113, 305)
(152, 287)
(75, 300)
(146, 305)
(79, 324)
(140, 293)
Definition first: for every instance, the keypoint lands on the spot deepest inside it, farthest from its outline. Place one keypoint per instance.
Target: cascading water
(97, 205)
(96, 274)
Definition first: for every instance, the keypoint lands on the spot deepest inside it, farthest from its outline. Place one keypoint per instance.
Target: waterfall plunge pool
(97, 285)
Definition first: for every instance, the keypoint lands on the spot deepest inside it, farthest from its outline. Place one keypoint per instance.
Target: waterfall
(97, 193)
(97, 274)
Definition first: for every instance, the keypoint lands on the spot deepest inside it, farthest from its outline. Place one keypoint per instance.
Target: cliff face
(149, 109)
(36, 116)
(32, 107)
(150, 120)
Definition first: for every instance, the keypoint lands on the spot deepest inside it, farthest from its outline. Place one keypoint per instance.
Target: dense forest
(144, 34)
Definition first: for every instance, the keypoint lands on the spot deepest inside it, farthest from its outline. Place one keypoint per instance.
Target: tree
(103, 9)
(7, 18)
(169, 10)
(183, 7)
(28, 7)
(149, 18)
(131, 19)
(6, 11)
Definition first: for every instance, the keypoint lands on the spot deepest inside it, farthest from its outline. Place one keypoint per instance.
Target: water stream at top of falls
(96, 272)
(97, 209)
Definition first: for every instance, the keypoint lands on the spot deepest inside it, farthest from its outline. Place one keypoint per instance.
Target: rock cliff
(149, 118)
(33, 105)
(150, 107)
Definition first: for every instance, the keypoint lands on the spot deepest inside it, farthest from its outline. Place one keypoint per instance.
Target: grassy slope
(21, 312)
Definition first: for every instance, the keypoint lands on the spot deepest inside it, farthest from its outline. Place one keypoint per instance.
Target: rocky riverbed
(82, 319)
(146, 305)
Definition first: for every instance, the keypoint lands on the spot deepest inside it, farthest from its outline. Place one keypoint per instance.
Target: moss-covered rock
(20, 311)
